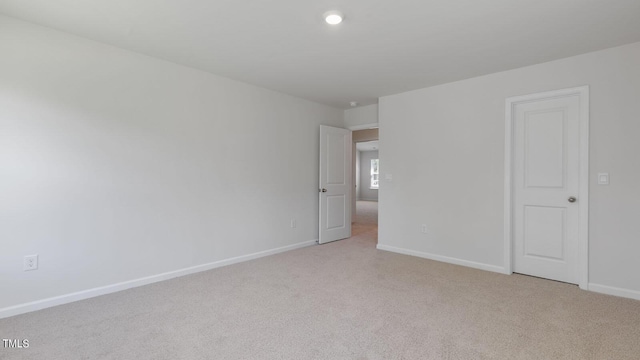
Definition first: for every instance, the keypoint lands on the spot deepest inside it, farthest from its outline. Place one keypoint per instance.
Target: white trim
(363, 127)
(446, 259)
(610, 290)
(583, 256)
(86, 294)
(375, 200)
(508, 155)
(583, 241)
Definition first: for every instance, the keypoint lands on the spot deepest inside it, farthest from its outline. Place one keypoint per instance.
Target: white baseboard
(86, 294)
(603, 289)
(610, 290)
(450, 260)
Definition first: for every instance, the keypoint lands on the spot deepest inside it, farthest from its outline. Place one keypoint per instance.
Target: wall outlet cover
(30, 262)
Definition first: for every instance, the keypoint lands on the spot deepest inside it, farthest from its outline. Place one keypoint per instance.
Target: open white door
(335, 184)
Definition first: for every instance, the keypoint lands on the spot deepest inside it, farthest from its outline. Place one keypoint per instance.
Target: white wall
(366, 193)
(362, 117)
(456, 133)
(116, 166)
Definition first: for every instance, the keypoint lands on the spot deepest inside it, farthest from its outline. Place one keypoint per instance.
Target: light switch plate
(603, 178)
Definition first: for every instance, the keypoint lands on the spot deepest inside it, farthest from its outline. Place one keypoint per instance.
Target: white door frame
(583, 237)
(363, 126)
(353, 161)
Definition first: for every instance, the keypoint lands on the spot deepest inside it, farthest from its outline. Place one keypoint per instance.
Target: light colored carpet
(367, 212)
(343, 300)
(366, 221)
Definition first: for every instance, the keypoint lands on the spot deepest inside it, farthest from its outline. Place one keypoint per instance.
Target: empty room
(435, 179)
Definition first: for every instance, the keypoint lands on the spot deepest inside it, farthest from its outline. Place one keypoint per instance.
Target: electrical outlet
(293, 223)
(30, 262)
(424, 229)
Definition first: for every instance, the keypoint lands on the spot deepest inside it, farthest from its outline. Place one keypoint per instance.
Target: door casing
(583, 231)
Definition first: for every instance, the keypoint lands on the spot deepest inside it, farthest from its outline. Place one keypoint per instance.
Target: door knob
(323, 190)
(572, 199)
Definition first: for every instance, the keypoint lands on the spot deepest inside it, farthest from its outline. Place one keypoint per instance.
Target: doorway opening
(366, 180)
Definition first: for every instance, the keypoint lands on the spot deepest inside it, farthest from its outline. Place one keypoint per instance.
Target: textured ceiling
(383, 47)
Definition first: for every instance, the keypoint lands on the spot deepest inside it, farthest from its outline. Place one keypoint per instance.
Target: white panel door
(546, 184)
(335, 184)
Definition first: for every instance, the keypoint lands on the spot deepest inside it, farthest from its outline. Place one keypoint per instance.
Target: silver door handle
(323, 190)
(572, 199)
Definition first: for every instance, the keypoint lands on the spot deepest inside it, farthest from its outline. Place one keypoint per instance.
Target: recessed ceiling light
(333, 17)
(353, 103)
